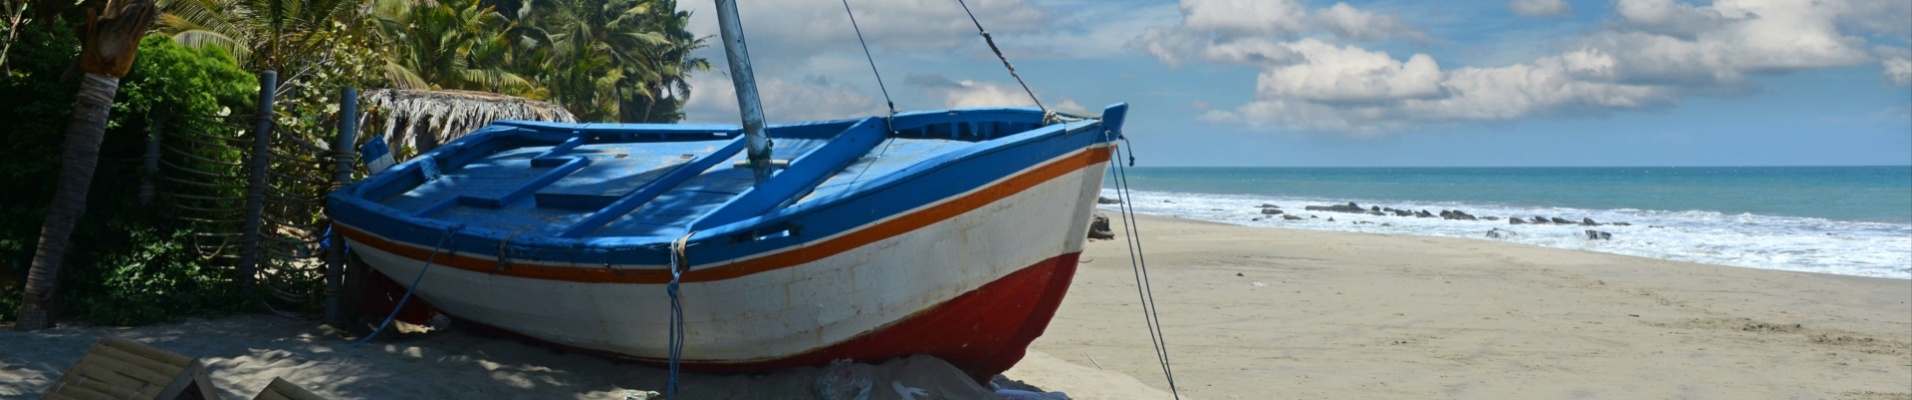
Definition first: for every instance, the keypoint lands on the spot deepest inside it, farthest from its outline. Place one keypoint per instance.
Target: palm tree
(282, 35)
(449, 44)
(660, 94)
(593, 54)
(108, 46)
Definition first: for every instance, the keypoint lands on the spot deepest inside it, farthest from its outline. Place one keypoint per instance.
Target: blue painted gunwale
(767, 225)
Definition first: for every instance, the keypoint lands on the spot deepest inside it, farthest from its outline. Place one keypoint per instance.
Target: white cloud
(1242, 29)
(715, 100)
(1349, 74)
(1348, 22)
(1540, 8)
(1898, 70)
(1655, 53)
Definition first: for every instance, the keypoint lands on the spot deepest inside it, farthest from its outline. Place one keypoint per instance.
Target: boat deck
(533, 179)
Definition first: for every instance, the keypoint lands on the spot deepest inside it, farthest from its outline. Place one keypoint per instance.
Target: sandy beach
(1249, 313)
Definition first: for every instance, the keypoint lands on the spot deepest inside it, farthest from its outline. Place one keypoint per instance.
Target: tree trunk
(108, 46)
(78, 159)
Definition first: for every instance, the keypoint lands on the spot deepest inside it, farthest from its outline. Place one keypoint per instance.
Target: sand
(1337, 315)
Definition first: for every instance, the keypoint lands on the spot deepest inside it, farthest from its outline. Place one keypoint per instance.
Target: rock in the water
(1346, 208)
(1539, 220)
(1403, 213)
(1620, 224)
(1598, 235)
(1490, 218)
(1290, 217)
(1377, 213)
(1584, 221)
(1105, 200)
(1099, 228)
(1374, 208)
(1516, 221)
(1269, 205)
(1562, 221)
(1423, 214)
(1457, 215)
(1270, 211)
(1498, 233)
(1257, 219)
(1330, 219)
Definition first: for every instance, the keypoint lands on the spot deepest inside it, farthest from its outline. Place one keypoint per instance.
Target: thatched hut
(422, 119)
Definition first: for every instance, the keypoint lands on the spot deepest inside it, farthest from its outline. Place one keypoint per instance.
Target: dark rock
(1539, 220)
(1403, 213)
(1311, 216)
(1457, 215)
(1423, 214)
(1598, 235)
(1290, 217)
(1377, 213)
(1105, 200)
(1099, 228)
(1255, 219)
(1166, 201)
(1490, 218)
(1330, 219)
(1562, 221)
(1374, 208)
(1620, 224)
(1588, 222)
(1269, 205)
(1346, 208)
(1498, 233)
(1270, 211)
(1654, 226)
(1516, 221)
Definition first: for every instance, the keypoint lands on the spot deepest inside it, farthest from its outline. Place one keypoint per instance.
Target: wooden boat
(950, 233)
(955, 235)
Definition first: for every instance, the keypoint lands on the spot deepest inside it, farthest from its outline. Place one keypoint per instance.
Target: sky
(1367, 83)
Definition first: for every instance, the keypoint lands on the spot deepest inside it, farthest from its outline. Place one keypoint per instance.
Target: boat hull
(971, 278)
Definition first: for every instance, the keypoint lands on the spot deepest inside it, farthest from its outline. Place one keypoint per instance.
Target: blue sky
(1371, 83)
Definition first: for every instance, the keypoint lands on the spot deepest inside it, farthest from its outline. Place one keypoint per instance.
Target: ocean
(1838, 220)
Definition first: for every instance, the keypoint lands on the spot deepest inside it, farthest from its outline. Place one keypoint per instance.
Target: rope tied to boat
(449, 231)
(1005, 60)
(680, 262)
(1139, 264)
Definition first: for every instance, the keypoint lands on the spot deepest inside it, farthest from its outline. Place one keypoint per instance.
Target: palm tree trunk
(107, 50)
(77, 161)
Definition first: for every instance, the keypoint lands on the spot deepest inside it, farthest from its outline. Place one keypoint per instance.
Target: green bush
(125, 264)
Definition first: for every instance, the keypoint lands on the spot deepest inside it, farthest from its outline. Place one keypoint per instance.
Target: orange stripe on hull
(983, 332)
(785, 259)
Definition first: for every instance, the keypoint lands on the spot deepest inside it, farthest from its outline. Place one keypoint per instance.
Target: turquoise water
(1842, 220)
(1873, 194)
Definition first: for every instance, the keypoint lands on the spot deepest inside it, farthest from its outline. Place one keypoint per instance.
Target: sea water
(1839, 220)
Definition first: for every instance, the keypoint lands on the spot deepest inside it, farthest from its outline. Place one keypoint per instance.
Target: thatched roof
(439, 116)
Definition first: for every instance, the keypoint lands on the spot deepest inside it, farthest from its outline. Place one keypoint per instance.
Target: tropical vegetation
(129, 262)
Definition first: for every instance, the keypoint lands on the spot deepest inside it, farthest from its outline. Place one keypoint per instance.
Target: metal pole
(341, 175)
(256, 183)
(732, 30)
(151, 168)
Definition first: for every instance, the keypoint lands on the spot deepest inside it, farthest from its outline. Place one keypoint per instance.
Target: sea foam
(1873, 249)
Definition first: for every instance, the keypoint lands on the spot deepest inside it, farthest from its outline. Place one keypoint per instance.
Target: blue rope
(677, 312)
(408, 290)
(1139, 263)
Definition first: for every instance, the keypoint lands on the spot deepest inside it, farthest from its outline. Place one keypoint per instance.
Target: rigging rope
(408, 291)
(1143, 289)
(872, 59)
(1005, 60)
(677, 310)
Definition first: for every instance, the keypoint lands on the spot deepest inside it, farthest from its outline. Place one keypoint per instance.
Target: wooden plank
(118, 392)
(135, 361)
(184, 379)
(121, 368)
(148, 351)
(288, 390)
(203, 381)
(76, 392)
(804, 174)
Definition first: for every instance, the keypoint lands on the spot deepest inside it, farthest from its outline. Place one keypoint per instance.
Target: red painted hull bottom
(983, 332)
